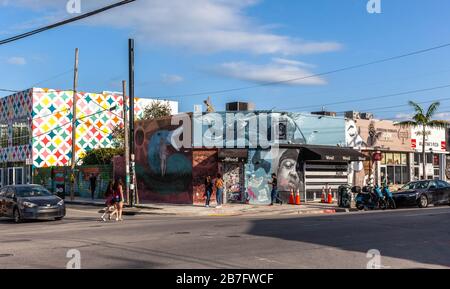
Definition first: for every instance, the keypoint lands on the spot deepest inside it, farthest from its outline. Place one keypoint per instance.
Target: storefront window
(405, 175)
(436, 160)
(3, 135)
(429, 159)
(395, 168)
(21, 133)
(404, 159)
(416, 159)
(389, 159)
(397, 159)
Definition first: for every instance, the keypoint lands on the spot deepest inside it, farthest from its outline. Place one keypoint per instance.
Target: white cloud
(16, 60)
(275, 71)
(171, 78)
(443, 116)
(198, 25)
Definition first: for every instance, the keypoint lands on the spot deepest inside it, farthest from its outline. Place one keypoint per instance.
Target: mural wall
(261, 165)
(254, 128)
(52, 123)
(15, 107)
(56, 180)
(204, 164)
(163, 172)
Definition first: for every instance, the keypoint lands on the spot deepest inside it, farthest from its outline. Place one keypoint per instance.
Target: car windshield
(416, 186)
(32, 191)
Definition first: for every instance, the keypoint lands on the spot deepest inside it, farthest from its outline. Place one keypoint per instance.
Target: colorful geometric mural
(15, 107)
(97, 116)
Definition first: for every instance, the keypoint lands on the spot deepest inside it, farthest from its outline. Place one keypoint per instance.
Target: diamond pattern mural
(52, 124)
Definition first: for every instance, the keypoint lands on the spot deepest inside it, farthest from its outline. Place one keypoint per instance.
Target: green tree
(156, 109)
(118, 134)
(425, 121)
(101, 156)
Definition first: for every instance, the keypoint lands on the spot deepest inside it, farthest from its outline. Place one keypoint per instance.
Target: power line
(64, 22)
(371, 98)
(52, 78)
(312, 75)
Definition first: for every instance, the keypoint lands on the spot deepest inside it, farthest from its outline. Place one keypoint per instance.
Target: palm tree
(425, 121)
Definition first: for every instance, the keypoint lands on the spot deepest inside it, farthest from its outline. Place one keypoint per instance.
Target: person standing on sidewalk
(93, 185)
(274, 193)
(208, 189)
(118, 198)
(219, 191)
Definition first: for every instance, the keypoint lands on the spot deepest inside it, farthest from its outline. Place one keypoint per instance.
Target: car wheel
(423, 201)
(59, 218)
(16, 216)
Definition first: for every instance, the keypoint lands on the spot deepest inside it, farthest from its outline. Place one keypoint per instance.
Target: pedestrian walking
(219, 190)
(118, 198)
(110, 208)
(274, 194)
(93, 185)
(208, 189)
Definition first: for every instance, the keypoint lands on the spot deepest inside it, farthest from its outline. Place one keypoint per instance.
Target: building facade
(394, 153)
(36, 129)
(175, 154)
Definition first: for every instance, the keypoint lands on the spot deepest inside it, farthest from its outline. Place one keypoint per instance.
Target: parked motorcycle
(371, 198)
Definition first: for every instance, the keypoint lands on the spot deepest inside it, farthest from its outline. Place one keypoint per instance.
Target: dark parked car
(423, 193)
(23, 202)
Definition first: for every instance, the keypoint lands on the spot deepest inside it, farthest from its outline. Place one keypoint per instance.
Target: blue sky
(185, 47)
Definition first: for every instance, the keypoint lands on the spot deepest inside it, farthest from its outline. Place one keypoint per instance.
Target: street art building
(175, 154)
(394, 153)
(36, 129)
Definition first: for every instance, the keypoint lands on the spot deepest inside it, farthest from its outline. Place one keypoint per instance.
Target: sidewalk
(226, 210)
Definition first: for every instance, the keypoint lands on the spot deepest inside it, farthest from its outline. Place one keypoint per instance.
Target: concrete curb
(148, 210)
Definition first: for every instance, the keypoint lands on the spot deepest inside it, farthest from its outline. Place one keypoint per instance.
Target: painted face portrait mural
(282, 162)
(289, 171)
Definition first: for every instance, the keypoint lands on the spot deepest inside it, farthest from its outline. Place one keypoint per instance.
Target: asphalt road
(411, 238)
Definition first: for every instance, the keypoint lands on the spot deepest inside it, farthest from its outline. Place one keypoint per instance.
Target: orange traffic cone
(297, 198)
(291, 198)
(330, 197)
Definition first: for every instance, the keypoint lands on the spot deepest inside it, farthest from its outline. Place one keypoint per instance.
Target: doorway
(233, 176)
(15, 176)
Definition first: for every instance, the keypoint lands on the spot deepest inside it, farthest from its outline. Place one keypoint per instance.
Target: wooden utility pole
(74, 128)
(126, 141)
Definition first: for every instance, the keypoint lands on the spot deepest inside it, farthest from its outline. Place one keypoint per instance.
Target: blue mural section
(264, 129)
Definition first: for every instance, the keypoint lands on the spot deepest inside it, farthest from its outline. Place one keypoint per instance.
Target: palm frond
(432, 109)
(438, 124)
(416, 106)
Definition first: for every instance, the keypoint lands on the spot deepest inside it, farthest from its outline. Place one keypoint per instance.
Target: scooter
(370, 198)
(389, 198)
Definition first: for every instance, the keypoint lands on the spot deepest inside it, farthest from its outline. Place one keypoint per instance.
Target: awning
(330, 153)
(233, 155)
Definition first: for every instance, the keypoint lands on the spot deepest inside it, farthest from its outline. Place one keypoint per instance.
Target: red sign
(377, 156)
(413, 143)
(443, 145)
